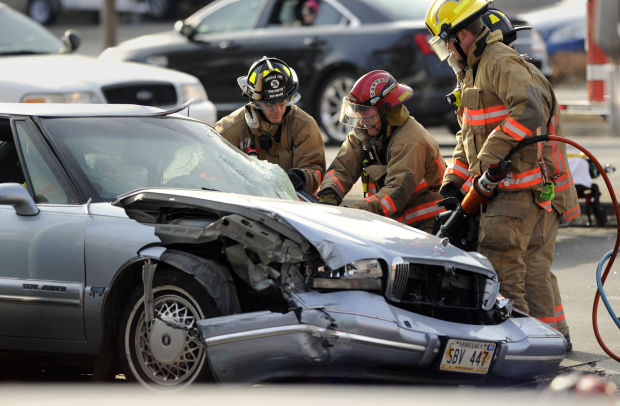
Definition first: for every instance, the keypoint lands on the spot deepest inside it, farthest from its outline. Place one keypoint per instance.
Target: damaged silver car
(146, 244)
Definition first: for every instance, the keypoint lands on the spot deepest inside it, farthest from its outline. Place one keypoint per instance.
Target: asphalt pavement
(578, 249)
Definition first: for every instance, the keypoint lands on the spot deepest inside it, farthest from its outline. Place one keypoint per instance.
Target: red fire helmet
(379, 89)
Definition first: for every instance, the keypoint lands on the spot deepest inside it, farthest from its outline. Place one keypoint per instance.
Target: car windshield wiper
(22, 52)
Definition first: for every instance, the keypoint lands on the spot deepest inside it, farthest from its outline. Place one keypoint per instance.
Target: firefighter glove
(329, 196)
(297, 177)
(451, 190)
(498, 171)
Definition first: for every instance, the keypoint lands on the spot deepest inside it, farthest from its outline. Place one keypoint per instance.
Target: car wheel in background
(328, 102)
(159, 353)
(43, 11)
(162, 8)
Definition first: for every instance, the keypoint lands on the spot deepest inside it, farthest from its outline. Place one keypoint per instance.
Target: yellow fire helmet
(445, 17)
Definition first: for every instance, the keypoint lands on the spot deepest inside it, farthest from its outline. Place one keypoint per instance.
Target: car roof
(77, 110)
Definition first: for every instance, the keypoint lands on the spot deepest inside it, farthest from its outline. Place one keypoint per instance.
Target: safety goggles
(357, 115)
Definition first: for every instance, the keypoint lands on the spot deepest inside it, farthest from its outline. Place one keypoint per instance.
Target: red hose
(597, 297)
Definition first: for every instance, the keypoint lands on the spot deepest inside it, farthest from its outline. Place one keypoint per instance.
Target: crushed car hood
(340, 235)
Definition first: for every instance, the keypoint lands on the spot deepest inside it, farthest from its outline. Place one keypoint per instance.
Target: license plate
(467, 356)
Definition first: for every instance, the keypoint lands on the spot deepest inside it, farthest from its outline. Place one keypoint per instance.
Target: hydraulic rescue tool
(459, 224)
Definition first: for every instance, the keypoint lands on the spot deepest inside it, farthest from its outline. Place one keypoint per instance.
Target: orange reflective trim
(421, 186)
(558, 158)
(563, 182)
(552, 124)
(317, 177)
(371, 198)
(561, 158)
(547, 319)
(522, 180)
(339, 185)
(421, 212)
(389, 208)
(467, 185)
(441, 164)
(332, 174)
(572, 213)
(485, 116)
(545, 205)
(516, 130)
(458, 168)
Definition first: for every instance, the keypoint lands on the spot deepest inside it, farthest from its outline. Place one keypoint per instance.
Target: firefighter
(273, 128)
(398, 160)
(504, 99)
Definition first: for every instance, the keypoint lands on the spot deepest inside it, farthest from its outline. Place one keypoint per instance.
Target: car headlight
(366, 274)
(71, 97)
(191, 91)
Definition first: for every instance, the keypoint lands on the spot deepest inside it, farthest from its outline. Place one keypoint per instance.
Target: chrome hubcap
(166, 354)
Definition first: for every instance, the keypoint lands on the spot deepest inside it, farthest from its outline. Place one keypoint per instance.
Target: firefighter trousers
(518, 237)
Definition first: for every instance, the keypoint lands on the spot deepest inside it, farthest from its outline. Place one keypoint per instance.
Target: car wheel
(43, 11)
(161, 8)
(159, 353)
(328, 103)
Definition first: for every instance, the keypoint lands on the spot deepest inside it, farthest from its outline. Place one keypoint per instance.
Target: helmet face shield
(440, 46)
(358, 116)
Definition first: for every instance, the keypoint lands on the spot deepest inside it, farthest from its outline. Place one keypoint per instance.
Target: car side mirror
(17, 196)
(184, 29)
(71, 39)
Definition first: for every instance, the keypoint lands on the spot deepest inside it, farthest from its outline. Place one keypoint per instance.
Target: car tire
(165, 356)
(43, 11)
(328, 103)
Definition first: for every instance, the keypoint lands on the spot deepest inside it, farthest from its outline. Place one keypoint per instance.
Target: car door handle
(229, 45)
(314, 41)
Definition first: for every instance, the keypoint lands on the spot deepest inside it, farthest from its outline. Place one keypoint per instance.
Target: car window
(328, 15)
(403, 9)
(44, 173)
(288, 14)
(236, 16)
(20, 35)
(113, 157)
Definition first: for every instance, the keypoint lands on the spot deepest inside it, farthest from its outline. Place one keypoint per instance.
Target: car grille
(146, 94)
(443, 292)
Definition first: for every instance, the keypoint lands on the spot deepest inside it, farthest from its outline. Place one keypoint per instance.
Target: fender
(214, 278)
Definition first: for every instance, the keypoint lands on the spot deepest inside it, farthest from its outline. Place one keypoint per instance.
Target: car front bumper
(358, 335)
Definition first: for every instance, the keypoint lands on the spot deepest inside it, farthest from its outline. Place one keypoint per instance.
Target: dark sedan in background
(349, 38)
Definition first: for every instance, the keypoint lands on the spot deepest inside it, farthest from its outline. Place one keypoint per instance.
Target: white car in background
(37, 67)
(46, 11)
